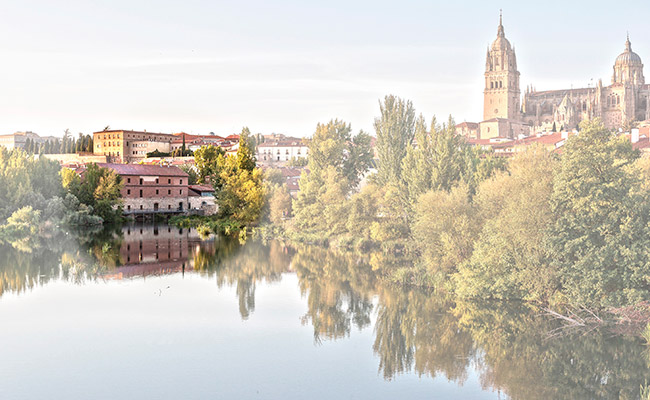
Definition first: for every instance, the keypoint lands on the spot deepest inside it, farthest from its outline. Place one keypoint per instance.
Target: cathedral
(507, 114)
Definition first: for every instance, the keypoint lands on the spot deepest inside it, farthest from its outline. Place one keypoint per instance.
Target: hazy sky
(282, 66)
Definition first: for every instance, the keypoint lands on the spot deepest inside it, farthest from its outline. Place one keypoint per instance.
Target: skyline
(202, 67)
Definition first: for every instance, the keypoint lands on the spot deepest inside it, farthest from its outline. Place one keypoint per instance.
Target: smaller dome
(628, 56)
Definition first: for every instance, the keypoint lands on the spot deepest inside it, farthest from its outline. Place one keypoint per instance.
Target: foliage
(395, 132)
(191, 171)
(599, 240)
(207, 160)
(511, 260)
(157, 153)
(445, 229)
(99, 190)
(297, 162)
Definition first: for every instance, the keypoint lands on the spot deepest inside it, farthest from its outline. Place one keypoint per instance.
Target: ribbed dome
(501, 43)
(628, 56)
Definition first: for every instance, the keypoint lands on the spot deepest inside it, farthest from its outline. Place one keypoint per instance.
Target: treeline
(67, 144)
(37, 198)
(546, 227)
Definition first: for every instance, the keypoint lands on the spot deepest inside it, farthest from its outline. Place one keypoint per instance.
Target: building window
(128, 180)
(156, 191)
(128, 191)
(169, 191)
(180, 191)
(141, 181)
(156, 181)
(140, 192)
(181, 181)
(169, 181)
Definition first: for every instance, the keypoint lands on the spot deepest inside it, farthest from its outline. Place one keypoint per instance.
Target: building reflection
(147, 250)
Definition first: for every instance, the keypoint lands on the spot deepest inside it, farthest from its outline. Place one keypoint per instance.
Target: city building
(121, 146)
(506, 114)
(279, 151)
(152, 188)
(18, 139)
(201, 198)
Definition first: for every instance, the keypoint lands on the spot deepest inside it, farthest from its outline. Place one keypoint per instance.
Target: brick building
(152, 188)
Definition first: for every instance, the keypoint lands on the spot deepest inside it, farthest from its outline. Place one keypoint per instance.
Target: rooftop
(143, 170)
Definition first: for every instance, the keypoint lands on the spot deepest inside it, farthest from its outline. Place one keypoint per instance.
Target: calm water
(159, 313)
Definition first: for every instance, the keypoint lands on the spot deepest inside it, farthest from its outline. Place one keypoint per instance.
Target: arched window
(491, 85)
(500, 84)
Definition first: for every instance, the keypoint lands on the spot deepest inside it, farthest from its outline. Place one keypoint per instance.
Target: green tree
(395, 132)
(207, 160)
(246, 151)
(100, 189)
(510, 259)
(600, 239)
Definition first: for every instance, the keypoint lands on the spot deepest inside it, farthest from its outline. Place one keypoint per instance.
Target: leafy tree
(99, 188)
(246, 151)
(395, 131)
(445, 230)
(510, 259)
(600, 239)
(207, 160)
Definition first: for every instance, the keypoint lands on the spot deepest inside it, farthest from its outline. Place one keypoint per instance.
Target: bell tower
(501, 95)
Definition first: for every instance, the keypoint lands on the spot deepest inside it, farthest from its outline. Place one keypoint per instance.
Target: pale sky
(283, 66)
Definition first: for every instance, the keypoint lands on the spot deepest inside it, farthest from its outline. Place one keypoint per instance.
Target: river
(158, 312)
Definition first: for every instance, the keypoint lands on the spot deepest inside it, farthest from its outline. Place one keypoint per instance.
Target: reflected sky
(264, 320)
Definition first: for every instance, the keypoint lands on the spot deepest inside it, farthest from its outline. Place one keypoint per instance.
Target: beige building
(18, 139)
(625, 101)
(129, 146)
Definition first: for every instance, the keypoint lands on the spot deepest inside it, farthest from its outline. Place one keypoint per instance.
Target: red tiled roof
(144, 170)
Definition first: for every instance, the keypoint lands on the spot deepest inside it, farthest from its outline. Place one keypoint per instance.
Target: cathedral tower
(501, 94)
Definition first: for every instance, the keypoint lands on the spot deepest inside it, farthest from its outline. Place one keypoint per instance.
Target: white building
(281, 151)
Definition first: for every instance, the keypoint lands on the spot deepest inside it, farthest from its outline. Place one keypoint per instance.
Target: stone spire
(500, 31)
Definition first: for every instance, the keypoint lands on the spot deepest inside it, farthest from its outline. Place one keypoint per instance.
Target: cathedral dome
(628, 57)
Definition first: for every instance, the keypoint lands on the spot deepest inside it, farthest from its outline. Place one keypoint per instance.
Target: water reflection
(414, 331)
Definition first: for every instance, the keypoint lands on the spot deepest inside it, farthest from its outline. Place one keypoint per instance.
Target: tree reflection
(339, 289)
(415, 330)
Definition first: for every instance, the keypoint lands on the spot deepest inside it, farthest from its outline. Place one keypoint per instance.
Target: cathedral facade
(507, 114)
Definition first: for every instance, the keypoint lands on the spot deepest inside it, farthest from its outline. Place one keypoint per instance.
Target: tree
(395, 131)
(333, 145)
(207, 160)
(445, 230)
(100, 189)
(242, 196)
(336, 162)
(435, 161)
(246, 151)
(510, 259)
(600, 240)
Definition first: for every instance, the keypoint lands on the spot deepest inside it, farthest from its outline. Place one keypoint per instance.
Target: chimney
(634, 137)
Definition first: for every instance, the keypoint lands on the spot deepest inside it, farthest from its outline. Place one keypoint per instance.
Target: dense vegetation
(240, 192)
(38, 198)
(569, 227)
